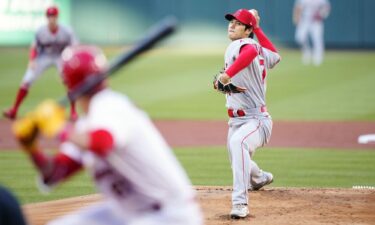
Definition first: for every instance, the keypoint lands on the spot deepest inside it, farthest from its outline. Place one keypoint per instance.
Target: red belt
(242, 112)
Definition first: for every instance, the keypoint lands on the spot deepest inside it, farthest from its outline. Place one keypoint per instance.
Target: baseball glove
(48, 119)
(226, 88)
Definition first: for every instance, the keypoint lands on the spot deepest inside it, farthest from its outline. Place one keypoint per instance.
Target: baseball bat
(157, 33)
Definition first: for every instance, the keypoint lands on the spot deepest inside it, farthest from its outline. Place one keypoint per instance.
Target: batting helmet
(52, 11)
(242, 15)
(80, 62)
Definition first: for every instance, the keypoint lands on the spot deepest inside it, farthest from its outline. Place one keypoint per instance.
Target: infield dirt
(289, 134)
(281, 206)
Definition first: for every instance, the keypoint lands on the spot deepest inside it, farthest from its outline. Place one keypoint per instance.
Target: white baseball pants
(42, 63)
(313, 30)
(245, 135)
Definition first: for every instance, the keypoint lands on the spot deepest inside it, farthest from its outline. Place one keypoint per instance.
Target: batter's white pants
(107, 213)
(245, 135)
(313, 30)
(42, 63)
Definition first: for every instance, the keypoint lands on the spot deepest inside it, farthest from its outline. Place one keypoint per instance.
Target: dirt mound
(271, 206)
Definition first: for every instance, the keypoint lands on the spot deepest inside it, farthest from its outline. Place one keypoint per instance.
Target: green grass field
(210, 166)
(177, 84)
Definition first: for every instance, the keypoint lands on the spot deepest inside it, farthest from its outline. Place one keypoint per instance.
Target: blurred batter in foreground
(132, 166)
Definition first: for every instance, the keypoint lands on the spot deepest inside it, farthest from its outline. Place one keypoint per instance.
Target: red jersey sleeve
(33, 53)
(56, 169)
(101, 142)
(247, 55)
(263, 40)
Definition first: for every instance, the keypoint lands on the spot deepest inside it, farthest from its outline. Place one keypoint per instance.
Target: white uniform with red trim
(141, 179)
(247, 133)
(313, 12)
(49, 47)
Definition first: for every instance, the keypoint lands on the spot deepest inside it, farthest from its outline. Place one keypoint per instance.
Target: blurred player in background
(250, 125)
(131, 164)
(50, 40)
(308, 16)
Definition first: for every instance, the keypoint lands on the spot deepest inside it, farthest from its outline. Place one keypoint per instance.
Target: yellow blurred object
(49, 117)
(26, 132)
(24, 127)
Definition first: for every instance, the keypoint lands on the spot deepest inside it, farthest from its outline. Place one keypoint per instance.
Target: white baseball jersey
(310, 9)
(140, 175)
(253, 77)
(48, 43)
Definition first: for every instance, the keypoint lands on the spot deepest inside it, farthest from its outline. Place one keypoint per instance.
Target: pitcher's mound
(270, 206)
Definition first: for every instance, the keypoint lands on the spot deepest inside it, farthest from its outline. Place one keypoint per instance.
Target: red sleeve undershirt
(263, 40)
(56, 169)
(101, 142)
(246, 56)
(248, 53)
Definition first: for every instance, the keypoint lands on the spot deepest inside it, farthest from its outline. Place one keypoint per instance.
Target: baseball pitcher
(308, 16)
(116, 142)
(244, 84)
(45, 51)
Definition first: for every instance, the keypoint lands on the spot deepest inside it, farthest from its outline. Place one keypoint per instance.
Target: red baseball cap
(242, 15)
(80, 62)
(52, 11)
